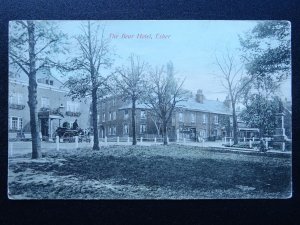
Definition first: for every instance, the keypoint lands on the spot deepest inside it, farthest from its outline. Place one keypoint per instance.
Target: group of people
(74, 125)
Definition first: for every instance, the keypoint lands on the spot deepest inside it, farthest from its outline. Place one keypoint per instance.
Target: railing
(255, 143)
(16, 106)
(44, 111)
(75, 114)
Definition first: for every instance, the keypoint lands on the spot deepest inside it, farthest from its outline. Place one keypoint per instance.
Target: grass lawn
(149, 172)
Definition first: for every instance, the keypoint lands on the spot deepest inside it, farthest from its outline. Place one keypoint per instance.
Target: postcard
(149, 109)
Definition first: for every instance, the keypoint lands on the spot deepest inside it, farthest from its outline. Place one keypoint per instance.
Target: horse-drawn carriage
(68, 135)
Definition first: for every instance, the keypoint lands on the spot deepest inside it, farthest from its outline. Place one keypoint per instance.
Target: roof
(137, 106)
(210, 106)
(43, 74)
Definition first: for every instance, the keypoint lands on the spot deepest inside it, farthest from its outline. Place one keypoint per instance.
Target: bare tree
(131, 83)
(235, 82)
(31, 45)
(156, 120)
(94, 56)
(164, 94)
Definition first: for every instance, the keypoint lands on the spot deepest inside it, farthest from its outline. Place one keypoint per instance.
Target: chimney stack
(199, 96)
(227, 102)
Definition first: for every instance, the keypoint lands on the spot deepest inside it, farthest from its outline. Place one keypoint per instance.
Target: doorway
(45, 127)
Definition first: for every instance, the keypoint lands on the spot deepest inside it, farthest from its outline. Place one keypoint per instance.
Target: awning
(49, 115)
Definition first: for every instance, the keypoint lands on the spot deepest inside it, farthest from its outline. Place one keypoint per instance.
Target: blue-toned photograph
(149, 109)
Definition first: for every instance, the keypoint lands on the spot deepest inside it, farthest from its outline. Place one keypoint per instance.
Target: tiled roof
(210, 106)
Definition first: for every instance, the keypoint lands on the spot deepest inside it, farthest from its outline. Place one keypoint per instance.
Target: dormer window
(47, 81)
(51, 82)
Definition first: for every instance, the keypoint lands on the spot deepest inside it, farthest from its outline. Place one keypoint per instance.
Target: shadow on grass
(172, 173)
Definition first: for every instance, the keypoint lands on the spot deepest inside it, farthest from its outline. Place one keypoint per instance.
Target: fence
(255, 142)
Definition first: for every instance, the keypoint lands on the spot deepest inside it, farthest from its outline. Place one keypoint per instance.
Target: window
(72, 106)
(103, 117)
(114, 115)
(193, 117)
(16, 98)
(143, 114)
(16, 123)
(51, 82)
(113, 102)
(180, 117)
(20, 123)
(126, 131)
(109, 115)
(231, 120)
(204, 118)
(126, 114)
(203, 133)
(142, 128)
(47, 81)
(110, 131)
(216, 119)
(114, 130)
(45, 102)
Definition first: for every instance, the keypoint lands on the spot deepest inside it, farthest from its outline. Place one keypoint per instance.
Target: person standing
(75, 125)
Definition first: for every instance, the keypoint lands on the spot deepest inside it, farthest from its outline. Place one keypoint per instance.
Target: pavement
(21, 147)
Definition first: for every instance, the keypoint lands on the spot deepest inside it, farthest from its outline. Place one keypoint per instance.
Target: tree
(267, 56)
(156, 120)
(165, 92)
(31, 46)
(235, 82)
(266, 52)
(261, 113)
(94, 55)
(131, 82)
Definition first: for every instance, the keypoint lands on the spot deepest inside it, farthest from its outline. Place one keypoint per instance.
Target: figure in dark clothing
(75, 125)
(262, 145)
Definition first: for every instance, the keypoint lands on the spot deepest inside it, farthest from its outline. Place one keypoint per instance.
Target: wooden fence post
(57, 143)
(283, 146)
(92, 140)
(76, 142)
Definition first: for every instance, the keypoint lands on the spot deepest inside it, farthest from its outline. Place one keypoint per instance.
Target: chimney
(199, 96)
(227, 102)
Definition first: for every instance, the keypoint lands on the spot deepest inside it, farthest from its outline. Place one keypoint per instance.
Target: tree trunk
(235, 128)
(165, 134)
(133, 123)
(95, 122)
(32, 94)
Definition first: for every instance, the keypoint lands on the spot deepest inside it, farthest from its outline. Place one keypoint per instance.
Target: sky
(191, 45)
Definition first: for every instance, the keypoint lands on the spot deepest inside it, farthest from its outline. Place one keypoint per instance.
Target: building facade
(54, 107)
(193, 119)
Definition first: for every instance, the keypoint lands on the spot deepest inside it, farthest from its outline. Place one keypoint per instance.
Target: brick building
(196, 117)
(54, 106)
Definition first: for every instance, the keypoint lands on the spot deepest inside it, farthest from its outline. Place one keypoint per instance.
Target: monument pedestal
(280, 131)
